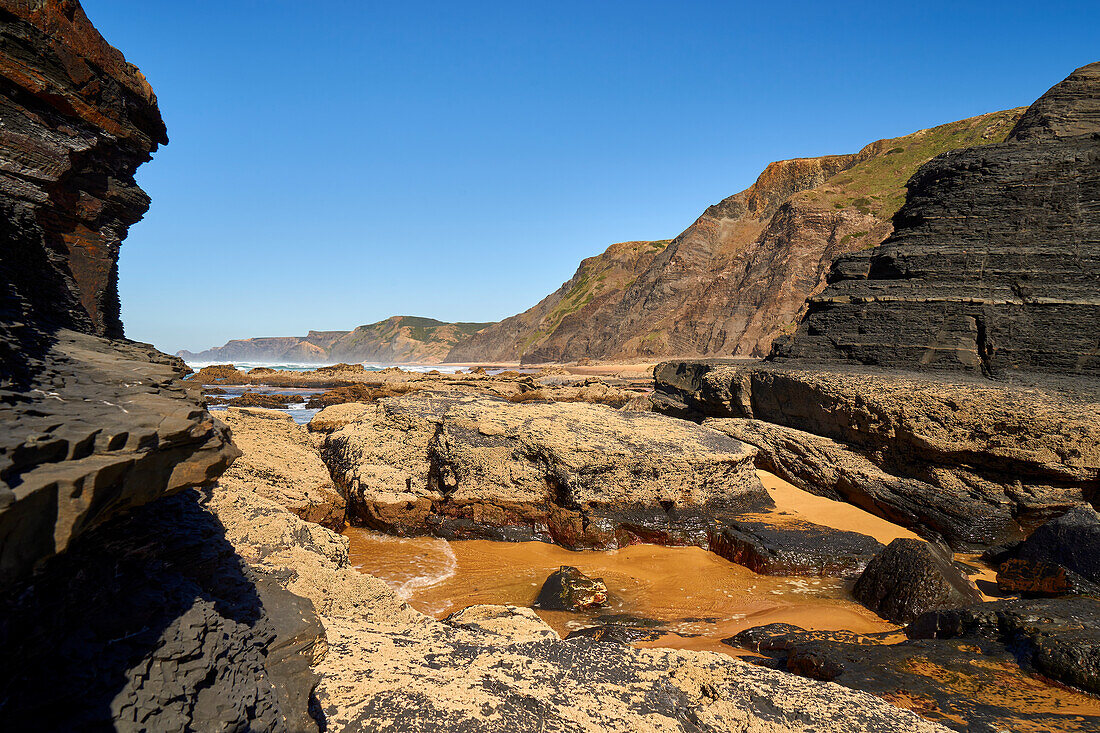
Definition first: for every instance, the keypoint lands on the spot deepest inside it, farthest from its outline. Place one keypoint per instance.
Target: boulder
(584, 476)
(773, 544)
(1061, 557)
(280, 463)
(568, 589)
(910, 577)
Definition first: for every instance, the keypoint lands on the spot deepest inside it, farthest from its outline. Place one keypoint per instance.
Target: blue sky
(335, 163)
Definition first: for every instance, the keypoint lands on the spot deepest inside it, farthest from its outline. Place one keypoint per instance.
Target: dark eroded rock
(152, 622)
(568, 589)
(1057, 637)
(969, 684)
(1060, 557)
(772, 544)
(910, 577)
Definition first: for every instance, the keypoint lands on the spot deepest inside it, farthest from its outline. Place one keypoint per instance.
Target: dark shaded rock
(616, 634)
(775, 545)
(1058, 637)
(1060, 557)
(994, 263)
(109, 428)
(969, 684)
(910, 577)
(152, 622)
(568, 589)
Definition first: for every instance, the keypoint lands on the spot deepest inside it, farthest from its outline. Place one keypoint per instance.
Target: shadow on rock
(152, 622)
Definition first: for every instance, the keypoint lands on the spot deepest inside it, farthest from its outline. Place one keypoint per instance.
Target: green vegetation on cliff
(877, 184)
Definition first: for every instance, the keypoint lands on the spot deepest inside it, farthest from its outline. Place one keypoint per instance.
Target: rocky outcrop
(1062, 557)
(584, 476)
(911, 577)
(384, 666)
(916, 449)
(773, 544)
(994, 264)
(739, 276)
(1055, 637)
(281, 464)
(77, 121)
(396, 340)
(968, 682)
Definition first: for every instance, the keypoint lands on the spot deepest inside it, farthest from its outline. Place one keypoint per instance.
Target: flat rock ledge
(580, 475)
(104, 426)
(961, 459)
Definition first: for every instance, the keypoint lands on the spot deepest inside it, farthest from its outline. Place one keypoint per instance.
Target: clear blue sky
(335, 163)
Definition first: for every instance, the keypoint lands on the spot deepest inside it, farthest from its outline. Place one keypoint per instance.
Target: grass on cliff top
(877, 186)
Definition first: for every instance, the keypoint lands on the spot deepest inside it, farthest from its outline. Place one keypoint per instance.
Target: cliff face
(995, 262)
(77, 121)
(881, 398)
(124, 609)
(739, 275)
(396, 340)
(598, 286)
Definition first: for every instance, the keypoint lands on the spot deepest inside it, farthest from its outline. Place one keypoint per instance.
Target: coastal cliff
(396, 340)
(118, 596)
(739, 276)
(946, 379)
(994, 265)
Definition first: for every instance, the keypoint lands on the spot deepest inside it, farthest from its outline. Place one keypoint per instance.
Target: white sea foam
(244, 366)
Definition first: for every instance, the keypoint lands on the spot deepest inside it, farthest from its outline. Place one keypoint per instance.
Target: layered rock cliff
(883, 396)
(737, 277)
(396, 340)
(119, 597)
(994, 266)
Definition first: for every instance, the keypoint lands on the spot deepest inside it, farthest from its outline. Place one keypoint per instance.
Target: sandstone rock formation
(281, 464)
(994, 264)
(396, 340)
(584, 476)
(739, 276)
(913, 448)
(384, 666)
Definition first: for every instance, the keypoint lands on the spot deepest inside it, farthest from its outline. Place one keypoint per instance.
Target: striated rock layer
(119, 597)
(994, 264)
(739, 276)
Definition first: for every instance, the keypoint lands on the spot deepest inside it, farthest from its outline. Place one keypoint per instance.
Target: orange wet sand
(699, 596)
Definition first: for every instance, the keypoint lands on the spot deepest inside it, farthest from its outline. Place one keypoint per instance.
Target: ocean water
(296, 367)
